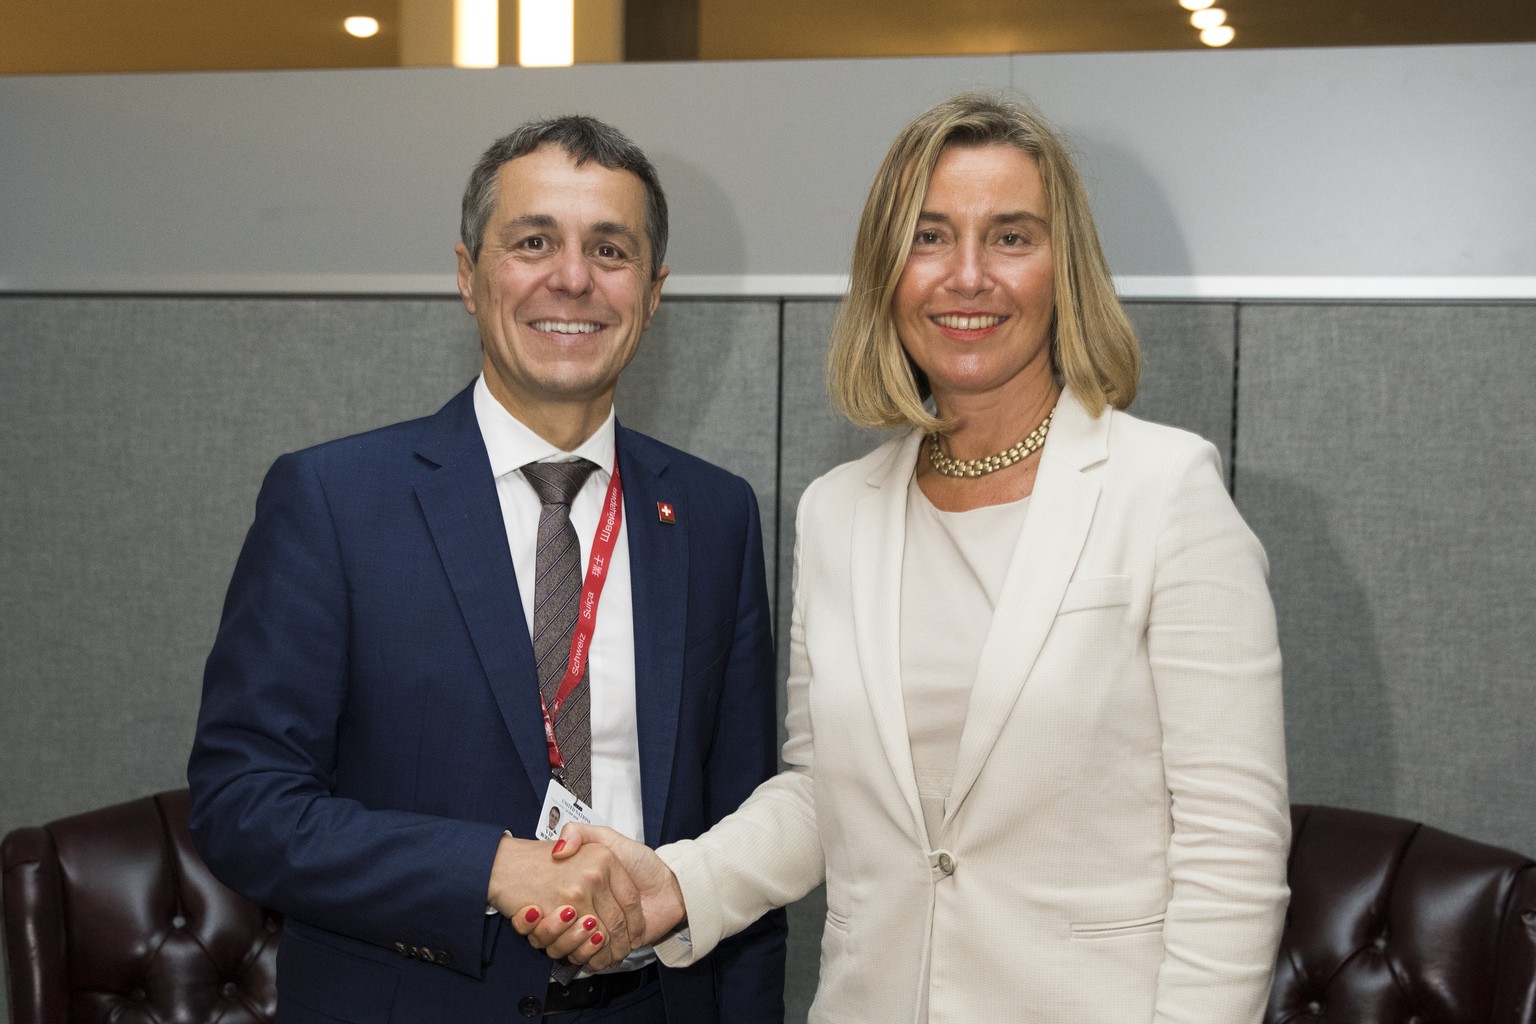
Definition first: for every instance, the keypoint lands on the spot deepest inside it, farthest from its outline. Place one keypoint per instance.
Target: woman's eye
(927, 238)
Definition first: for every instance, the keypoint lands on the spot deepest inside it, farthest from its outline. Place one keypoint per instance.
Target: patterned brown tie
(556, 591)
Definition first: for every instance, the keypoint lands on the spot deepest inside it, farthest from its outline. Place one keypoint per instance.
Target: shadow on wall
(1137, 226)
(1339, 730)
(706, 232)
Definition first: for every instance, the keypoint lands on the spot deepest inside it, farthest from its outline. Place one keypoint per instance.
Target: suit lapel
(658, 569)
(1044, 558)
(463, 514)
(879, 533)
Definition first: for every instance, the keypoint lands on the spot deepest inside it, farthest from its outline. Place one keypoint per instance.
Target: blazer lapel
(1044, 558)
(658, 569)
(879, 533)
(463, 514)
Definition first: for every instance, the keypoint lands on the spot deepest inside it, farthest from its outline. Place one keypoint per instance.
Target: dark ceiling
(70, 36)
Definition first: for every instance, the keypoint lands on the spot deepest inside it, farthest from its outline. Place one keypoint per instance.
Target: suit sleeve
(768, 853)
(1215, 662)
(265, 814)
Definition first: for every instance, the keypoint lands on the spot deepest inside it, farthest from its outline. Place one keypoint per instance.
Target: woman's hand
(565, 934)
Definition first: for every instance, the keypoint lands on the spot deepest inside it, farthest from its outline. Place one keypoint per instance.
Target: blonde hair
(870, 377)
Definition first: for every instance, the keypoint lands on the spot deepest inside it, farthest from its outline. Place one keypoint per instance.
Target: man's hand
(567, 937)
(589, 890)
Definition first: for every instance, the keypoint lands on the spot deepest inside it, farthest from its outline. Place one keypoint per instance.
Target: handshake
(590, 899)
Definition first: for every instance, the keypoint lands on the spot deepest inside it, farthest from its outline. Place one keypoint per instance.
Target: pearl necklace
(946, 466)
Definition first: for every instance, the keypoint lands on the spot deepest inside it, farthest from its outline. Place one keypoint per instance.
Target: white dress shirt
(611, 668)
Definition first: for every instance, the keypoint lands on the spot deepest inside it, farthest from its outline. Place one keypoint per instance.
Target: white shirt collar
(512, 444)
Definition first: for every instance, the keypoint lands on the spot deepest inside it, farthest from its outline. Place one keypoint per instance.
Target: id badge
(561, 807)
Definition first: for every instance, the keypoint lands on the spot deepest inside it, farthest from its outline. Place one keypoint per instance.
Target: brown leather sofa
(1398, 923)
(111, 916)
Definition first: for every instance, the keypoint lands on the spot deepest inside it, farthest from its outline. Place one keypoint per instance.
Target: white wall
(1352, 172)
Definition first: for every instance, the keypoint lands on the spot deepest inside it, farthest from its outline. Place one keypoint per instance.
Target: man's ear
(466, 276)
(655, 300)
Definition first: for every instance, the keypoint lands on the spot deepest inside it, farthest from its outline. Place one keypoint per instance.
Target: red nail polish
(597, 940)
(532, 915)
(568, 914)
(589, 923)
(559, 846)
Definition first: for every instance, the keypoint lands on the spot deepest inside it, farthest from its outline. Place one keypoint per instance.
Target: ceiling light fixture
(1208, 18)
(1221, 35)
(1195, 5)
(361, 27)
(474, 34)
(546, 33)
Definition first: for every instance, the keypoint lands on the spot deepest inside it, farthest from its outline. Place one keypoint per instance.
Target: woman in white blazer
(1035, 734)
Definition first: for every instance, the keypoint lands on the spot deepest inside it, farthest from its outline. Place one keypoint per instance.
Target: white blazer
(1114, 846)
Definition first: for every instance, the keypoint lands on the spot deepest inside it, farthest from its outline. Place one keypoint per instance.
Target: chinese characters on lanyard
(586, 616)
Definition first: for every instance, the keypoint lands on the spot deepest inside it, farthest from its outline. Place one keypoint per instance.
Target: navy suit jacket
(370, 720)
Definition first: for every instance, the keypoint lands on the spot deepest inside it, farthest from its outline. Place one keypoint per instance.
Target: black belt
(598, 991)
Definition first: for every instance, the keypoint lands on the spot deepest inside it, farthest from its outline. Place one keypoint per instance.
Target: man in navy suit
(373, 755)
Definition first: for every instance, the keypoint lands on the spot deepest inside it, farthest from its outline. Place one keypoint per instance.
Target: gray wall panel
(706, 379)
(137, 432)
(1187, 355)
(1384, 460)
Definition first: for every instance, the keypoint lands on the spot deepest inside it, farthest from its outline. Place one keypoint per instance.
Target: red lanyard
(586, 616)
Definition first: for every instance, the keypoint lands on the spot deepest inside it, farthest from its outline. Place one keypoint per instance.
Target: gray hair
(582, 138)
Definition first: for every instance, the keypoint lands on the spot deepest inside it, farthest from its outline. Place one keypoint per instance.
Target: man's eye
(609, 252)
(535, 243)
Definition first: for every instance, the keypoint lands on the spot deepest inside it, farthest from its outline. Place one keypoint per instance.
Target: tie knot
(556, 483)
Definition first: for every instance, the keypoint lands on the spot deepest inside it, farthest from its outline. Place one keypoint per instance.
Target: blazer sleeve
(768, 853)
(263, 769)
(749, 966)
(1215, 662)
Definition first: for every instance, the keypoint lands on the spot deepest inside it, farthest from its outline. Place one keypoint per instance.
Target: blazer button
(402, 949)
(440, 956)
(529, 1007)
(946, 864)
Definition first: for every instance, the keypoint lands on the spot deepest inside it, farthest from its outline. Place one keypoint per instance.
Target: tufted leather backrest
(112, 916)
(1393, 922)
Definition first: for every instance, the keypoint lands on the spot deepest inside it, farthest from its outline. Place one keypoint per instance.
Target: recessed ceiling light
(1221, 35)
(476, 25)
(361, 27)
(1208, 18)
(546, 33)
(1195, 5)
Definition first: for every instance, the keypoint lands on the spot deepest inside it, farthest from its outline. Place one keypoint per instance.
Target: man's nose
(572, 272)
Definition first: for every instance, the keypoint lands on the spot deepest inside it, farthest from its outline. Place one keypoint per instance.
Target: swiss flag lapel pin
(665, 512)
